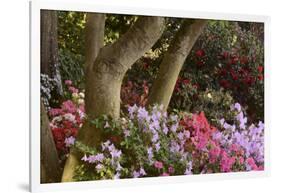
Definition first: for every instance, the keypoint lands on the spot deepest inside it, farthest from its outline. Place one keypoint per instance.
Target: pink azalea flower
(68, 82)
(171, 170)
(54, 112)
(158, 164)
(73, 89)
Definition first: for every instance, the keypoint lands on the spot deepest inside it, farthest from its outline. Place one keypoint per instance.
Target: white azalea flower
(81, 94)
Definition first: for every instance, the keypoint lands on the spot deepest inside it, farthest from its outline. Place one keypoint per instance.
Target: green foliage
(71, 34)
(116, 25)
(71, 67)
(71, 40)
(84, 148)
(215, 104)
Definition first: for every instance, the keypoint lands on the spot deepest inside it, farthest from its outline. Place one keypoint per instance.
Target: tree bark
(50, 169)
(94, 39)
(105, 79)
(49, 48)
(94, 36)
(173, 60)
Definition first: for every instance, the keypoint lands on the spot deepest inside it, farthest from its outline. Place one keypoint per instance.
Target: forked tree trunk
(173, 60)
(104, 79)
(50, 169)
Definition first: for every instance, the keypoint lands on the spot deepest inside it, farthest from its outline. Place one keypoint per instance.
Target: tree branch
(121, 55)
(94, 36)
(173, 60)
(114, 60)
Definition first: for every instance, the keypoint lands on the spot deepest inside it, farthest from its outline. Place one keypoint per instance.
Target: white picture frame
(93, 6)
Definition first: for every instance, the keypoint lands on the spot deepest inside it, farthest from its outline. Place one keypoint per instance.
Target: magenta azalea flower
(158, 164)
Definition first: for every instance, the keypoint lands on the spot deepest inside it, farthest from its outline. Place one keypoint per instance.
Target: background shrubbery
(227, 59)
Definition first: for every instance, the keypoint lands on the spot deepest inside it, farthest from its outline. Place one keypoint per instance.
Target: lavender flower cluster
(167, 141)
(107, 162)
(249, 137)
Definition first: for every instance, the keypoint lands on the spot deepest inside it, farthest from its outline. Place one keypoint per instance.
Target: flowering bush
(66, 120)
(229, 57)
(215, 104)
(47, 84)
(153, 143)
(134, 93)
(232, 147)
(146, 144)
(243, 76)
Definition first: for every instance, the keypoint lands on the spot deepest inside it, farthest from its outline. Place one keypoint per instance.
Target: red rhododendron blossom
(200, 63)
(234, 75)
(185, 81)
(222, 72)
(225, 55)
(225, 84)
(260, 69)
(200, 53)
(234, 60)
(145, 65)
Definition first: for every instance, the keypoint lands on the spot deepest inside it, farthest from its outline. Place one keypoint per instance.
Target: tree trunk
(94, 30)
(173, 60)
(50, 169)
(94, 36)
(49, 48)
(94, 40)
(105, 79)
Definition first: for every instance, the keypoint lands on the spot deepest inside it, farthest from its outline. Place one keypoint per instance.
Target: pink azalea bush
(233, 147)
(66, 120)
